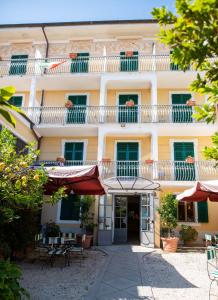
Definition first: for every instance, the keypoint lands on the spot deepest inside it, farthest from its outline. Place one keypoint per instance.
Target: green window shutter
(183, 171)
(203, 212)
(74, 151)
(16, 101)
(127, 156)
(77, 114)
(129, 64)
(18, 64)
(80, 64)
(182, 150)
(180, 112)
(70, 208)
(128, 114)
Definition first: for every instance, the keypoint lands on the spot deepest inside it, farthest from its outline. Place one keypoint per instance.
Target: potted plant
(130, 103)
(52, 230)
(191, 102)
(129, 53)
(190, 160)
(106, 160)
(188, 234)
(69, 104)
(73, 55)
(87, 219)
(168, 215)
(60, 160)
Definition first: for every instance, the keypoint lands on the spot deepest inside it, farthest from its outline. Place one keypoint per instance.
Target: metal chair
(212, 267)
(77, 249)
(208, 240)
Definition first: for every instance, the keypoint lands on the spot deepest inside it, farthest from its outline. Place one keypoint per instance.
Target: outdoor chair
(216, 241)
(77, 249)
(212, 266)
(208, 240)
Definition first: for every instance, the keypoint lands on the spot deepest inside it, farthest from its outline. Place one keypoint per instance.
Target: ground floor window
(186, 212)
(70, 208)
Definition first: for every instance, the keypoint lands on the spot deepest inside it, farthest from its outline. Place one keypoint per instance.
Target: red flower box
(130, 103)
(191, 103)
(129, 53)
(149, 161)
(190, 160)
(69, 104)
(73, 55)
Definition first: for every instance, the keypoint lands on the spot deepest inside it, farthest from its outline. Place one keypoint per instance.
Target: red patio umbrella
(82, 180)
(201, 191)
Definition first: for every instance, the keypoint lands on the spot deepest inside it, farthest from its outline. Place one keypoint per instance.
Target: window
(181, 113)
(18, 64)
(183, 171)
(16, 101)
(70, 208)
(77, 114)
(129, 61)
(74, 151)
(127, 159)
(80, 64)
(128, 114)
(186, 211)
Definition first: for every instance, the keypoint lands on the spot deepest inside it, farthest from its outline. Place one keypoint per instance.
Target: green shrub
(52, 230)
(168, 212)
(188, 234)
(10, 288)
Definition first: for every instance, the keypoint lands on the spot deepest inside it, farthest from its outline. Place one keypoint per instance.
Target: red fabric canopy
(82, 180)
(201, 192)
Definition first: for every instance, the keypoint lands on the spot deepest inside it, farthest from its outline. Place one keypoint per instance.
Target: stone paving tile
(105, 289)
(121, 283)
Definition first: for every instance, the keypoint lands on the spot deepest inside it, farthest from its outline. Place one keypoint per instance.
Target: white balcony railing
(60, 116)
(157, 170)
(92, 64)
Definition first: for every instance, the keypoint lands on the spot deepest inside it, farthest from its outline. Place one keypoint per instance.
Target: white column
(153, 57)
(102, 101)
(154, 154)
(32, 96)
(100, 153)
(154, 98)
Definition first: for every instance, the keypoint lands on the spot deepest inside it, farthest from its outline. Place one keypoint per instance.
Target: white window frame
(195, 223)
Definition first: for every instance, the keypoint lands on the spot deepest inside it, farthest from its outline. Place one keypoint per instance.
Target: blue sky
(36, 11)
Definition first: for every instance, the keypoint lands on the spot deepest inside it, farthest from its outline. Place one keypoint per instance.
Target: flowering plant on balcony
(190, 160)
(69, 104)
(191, 102)
(129, 53)
(73, 55)
(130, 103)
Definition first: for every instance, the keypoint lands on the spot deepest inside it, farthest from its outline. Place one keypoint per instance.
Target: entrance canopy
(201, 191)
(82, 180)
(131, 183)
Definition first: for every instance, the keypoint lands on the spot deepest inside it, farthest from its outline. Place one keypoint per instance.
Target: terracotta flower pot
(106, 160)
(149, 161)
(191, 103)
(130, 103)
(88, 241)
(73, 55)
(170, 244)
(60, 159)
(190, 160)
(69, 104)
(129, 53)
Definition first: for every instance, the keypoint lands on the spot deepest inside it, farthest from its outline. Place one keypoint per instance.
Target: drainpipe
(47, 43)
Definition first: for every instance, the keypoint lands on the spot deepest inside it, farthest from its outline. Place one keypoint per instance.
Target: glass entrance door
(120, 219)
(147, 220)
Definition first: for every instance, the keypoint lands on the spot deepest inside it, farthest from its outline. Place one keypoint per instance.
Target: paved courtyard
(135, 272)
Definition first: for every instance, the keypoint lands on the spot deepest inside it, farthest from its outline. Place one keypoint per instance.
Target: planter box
(88, 241)
(191, 103)
(170, 244)
(73, 55)
(149, 161)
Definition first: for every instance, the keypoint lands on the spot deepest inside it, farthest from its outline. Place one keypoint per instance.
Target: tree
(192, 35)
(5, 95)
(21, 186)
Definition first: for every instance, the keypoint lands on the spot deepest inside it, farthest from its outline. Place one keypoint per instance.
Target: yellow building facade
(108, 94)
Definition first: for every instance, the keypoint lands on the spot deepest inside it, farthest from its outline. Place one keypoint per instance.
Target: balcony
(178, 171)
(139, 114)
(84, 65)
